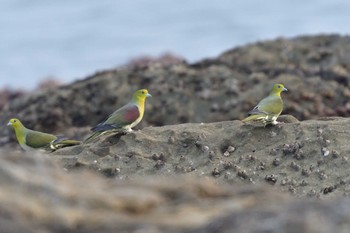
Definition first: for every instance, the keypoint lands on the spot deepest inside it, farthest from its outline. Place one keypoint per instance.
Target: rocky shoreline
(193, 166)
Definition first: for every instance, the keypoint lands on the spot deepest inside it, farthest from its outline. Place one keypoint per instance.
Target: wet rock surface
(214, 174)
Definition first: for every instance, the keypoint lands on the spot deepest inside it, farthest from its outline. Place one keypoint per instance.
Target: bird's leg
(128, 130)
(275, 122)
(278, 122)
(265, 122)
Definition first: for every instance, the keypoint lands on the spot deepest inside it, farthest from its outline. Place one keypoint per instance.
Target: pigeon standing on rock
(123, 119)
(269, 108)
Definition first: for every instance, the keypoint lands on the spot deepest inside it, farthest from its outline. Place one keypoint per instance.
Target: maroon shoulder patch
(131, 114)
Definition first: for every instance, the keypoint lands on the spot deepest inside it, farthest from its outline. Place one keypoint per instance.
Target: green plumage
(29, 139)
(269, 108)
(123, 119)
(37, 139)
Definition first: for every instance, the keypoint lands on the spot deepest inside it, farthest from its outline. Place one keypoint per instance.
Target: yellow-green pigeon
(29, 139)
(269, 108)
(123, 119)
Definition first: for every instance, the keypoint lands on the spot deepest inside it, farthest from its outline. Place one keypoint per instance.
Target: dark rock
(136, 199)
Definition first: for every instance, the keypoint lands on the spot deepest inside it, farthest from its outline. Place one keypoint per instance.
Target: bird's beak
(149, 95)
(9, 123)
(285, 89)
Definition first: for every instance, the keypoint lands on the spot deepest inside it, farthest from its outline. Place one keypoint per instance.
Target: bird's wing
(122, 117)
(269, 105)
(37, 139)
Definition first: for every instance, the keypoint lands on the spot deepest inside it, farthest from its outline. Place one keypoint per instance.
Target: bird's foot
(128, 130)
(274, 122)
(278, 123)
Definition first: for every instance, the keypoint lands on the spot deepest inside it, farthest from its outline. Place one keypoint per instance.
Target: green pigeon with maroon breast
(124, 118)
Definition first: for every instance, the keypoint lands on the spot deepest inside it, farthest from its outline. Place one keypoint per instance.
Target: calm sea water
(71, 39)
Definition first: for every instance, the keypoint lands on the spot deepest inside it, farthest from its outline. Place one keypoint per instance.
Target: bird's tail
(60, 143)
(253, 117)
(93, 136)
(96, 134)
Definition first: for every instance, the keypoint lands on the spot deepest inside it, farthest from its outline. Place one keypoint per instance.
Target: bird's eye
(14, 121)
(279, 86)
(143, 92)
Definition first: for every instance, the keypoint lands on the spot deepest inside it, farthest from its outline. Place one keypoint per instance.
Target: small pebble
(304, 183)
(261, 166)
(293, 182)
(325, 151)
(227, 164)
(171, 140)
(188, 169)
(198, 143)
(292, 190)
(155, 157)
(273, 134)
(159, 164)
(328, 189)
(205, 148)
(215, 172)
(312, 167)
(231, 149)
(335, 154)
(286, 149)
(251, 158)
(305, 172)
(274, 152)
(272, 179)
(227, 175)
(161, 157)
(312, 193)
(322, 175)
(291, 149)
(243, 174)
(285, 181)
(117, 171)
(184, 134)
(295, 166)
(215, 107)
(211, 155)
(236, 167)
(276, 162)
(299, 155)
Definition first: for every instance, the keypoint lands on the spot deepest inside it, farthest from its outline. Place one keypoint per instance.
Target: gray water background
(70, 39)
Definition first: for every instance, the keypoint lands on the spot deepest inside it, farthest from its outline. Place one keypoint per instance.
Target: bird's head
(15, 123)
(141, 95)
(278, 88)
